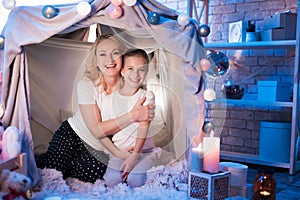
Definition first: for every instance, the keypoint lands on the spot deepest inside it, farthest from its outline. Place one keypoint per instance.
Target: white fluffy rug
(164, 182)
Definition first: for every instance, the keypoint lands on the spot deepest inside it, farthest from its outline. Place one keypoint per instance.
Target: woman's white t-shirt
(87, 93)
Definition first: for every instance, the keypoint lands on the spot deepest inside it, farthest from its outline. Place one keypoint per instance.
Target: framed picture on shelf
(237, 31)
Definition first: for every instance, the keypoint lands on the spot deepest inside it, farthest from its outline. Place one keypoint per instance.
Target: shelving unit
(294, 164)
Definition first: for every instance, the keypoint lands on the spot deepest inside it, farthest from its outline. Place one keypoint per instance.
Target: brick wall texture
(239, 125)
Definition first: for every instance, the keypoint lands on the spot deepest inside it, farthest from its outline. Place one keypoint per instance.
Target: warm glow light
(265, 193)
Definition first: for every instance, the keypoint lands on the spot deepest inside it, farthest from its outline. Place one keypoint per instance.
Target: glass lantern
(265, 185)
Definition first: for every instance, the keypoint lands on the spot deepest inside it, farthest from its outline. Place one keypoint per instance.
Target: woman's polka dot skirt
(68, 154)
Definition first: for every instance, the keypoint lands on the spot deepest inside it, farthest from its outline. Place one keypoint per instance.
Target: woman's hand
(128, 164)
(123, 154)
(142, 113)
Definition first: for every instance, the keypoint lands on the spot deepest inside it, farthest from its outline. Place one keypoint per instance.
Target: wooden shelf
(251, 45)
(253, 102)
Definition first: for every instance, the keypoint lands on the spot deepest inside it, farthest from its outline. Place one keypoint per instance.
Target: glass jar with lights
(265, 185)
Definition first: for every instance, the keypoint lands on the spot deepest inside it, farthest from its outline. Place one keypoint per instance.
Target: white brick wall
(239, 125)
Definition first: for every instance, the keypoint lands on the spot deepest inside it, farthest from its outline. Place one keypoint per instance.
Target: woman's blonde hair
(92, 71)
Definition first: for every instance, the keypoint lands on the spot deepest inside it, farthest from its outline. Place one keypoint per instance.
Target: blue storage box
(275, 141)
(273, 91)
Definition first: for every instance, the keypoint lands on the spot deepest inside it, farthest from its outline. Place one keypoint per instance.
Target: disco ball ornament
(83, 8)
(117, 2)
(9, 4)
(115, 12)
(208, 127)
(204, 64)
(183, 19)
(219, 64)
(49, 12)
(153, 18)
(129, 2)
(204, 30)
(2, 40)
(209, 95)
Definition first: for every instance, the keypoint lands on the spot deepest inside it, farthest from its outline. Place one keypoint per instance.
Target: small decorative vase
(252, 36)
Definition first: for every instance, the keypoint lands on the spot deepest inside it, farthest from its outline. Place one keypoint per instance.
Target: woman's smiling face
(109, 57)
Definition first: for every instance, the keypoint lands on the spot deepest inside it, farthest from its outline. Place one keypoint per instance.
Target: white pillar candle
(211, 160)
(197, 159)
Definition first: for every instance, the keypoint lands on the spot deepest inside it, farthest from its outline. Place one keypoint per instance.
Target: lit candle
(211, 158)
(197, 158)
(265, 193)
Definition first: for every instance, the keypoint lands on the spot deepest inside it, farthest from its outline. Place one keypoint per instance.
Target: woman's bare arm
(100, 129)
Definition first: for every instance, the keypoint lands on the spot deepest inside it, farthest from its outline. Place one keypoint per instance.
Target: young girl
(144, 154)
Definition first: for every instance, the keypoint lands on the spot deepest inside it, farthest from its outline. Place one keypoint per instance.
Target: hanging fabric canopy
(31, 75)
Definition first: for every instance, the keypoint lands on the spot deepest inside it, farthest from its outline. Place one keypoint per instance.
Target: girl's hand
(128, 164)
(142, 113)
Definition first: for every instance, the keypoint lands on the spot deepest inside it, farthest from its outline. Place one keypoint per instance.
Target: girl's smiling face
(134, 71)
(109, 58)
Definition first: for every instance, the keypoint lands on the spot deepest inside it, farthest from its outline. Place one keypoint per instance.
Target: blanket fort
(177, 51)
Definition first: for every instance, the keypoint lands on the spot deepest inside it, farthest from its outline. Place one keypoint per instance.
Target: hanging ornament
(209, 95)
(204, 64)
(49, 11)
(9, 4)
(219, 64)
(115, 12)
(117, 2)
(183, 19)
(204, 30)
(2, 39)
(153, 18)
(208, 127)
(83, 8)
(129, 2)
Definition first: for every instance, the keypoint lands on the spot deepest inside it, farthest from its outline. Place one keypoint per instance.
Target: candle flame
(265, 193)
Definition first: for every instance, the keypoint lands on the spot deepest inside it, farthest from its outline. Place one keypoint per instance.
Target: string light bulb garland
(49, 11)
(2, 40)
(153, 18)
(183, 19)
(114, 11)
(83, 8)
(204, 30)
(204, 64)
(9, 4)
(129, 2)
(209, 94)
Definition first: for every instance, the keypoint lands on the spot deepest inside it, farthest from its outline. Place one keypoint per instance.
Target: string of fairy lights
(115, 10)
